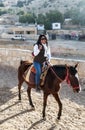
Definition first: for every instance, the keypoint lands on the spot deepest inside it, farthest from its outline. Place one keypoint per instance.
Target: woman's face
(43, 40)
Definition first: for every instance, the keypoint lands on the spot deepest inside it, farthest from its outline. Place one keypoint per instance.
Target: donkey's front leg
(44, 104)
(29, 96)
(56, 96)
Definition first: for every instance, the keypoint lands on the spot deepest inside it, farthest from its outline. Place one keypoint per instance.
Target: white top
(36, 50)
(47, 51)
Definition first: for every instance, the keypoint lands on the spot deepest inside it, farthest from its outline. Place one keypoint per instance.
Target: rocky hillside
(44, 6)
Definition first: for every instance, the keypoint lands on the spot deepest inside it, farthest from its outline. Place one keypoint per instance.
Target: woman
(41, 54)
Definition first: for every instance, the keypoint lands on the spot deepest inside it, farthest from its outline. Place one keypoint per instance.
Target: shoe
(37, 89)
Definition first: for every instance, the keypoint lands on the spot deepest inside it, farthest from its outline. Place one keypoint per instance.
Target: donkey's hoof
(19, 100)
(33, 108)
(58, 118)
(44, 118)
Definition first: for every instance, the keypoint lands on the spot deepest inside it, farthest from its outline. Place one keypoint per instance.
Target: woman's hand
(40, 47)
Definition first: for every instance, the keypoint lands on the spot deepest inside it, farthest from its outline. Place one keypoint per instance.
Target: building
(56, 26)
(24, 30)
(28, 31)
(40, 29)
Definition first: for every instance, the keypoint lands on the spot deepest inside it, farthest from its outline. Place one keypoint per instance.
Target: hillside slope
(44, 6)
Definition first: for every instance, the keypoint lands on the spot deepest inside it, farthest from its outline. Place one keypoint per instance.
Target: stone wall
(12, 57)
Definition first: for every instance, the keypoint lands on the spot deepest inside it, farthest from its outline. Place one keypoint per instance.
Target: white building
(56, 26)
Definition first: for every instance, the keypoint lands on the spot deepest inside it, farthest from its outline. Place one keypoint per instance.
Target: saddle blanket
(29, 75)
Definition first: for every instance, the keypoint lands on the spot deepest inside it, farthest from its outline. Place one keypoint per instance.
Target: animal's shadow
(53, 126)
(66, 92)
(8, 118)
(8, 80)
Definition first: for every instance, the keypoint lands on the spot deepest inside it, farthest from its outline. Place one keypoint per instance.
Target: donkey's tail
(21, 62)
(25, 62)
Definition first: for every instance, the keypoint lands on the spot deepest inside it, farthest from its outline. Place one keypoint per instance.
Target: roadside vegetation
(77, 17)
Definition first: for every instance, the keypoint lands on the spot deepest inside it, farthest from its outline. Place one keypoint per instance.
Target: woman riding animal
(41, 53)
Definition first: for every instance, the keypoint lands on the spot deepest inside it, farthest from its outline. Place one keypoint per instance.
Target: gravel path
(15, 115)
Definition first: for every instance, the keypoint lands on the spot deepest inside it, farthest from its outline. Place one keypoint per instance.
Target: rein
(56, 74)
(66, 78)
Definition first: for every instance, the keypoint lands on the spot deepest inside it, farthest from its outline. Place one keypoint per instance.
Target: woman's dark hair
(42, 37)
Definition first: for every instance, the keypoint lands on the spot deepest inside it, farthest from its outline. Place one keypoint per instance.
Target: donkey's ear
(67, 66)
(76, 65)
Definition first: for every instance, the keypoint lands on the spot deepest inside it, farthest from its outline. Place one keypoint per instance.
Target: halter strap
(67, 76)
(75, 87)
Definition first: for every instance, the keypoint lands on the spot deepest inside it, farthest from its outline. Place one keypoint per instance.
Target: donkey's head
(72, 78)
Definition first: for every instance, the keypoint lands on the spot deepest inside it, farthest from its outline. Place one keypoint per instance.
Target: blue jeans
(37, 66)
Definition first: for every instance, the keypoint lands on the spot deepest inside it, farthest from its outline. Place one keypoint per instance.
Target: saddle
(29, 75)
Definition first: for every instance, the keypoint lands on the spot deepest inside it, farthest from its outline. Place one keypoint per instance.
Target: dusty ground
(15, 115)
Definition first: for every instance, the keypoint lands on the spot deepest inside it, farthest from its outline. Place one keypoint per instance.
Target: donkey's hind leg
(29, 96)
(44, 104)
(19, 88)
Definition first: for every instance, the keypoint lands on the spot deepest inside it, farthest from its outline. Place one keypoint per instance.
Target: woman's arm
(36, 50)
(48, 53)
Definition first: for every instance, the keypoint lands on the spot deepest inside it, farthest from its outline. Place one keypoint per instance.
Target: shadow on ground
(8, 80)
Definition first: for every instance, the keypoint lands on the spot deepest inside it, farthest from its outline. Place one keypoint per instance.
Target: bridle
(66, 77)
(68, 80)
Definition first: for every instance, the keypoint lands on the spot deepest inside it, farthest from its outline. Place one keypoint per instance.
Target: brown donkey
(55, 75)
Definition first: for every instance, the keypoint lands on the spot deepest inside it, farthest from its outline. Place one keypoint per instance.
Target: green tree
(1, 4)
(10, 11)
(53, 16)
(20, 13)
(82, 18)
(47, 19)
(41, 19)
(77, 16)
(27, 18)
(67, 14)
(20, 3)
(2, 12)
